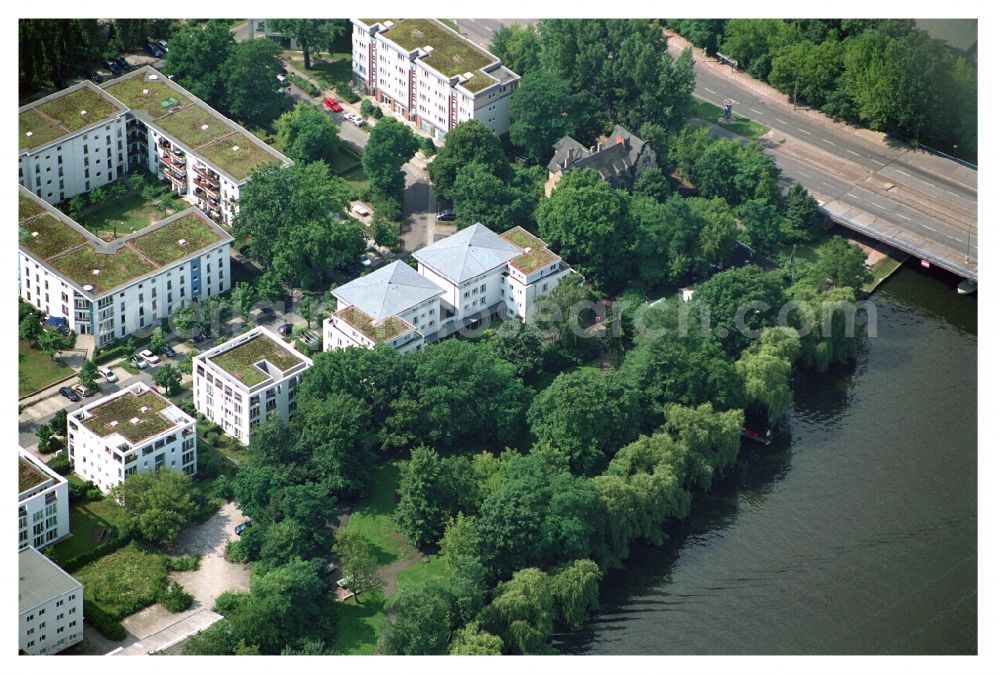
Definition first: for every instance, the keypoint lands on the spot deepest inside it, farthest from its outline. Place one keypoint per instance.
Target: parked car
(169, 352)
(360, 210)
(285, 329)
(138, 362)
(365, 261)
(163, 46)
(154, 50)
(149, 356)
(108, 374)
(241, 528)
(283, 81)
(83, 390)
(202, 336)
(112, 66)
(309, 338)
(93, 76)
(332, 104)
(446, 215)
(357, 120)
(70, 394)
(122, 63)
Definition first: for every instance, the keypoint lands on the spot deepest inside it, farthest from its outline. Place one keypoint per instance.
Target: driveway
(154, 628)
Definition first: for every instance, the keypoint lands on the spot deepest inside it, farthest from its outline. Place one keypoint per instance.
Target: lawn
(358, 626)
(128, 213)
(331, 71)
(738, 125)
(36, 370)
(372, 517)
(163, 245)
(84, 519)
(432, 567)
(884, 267)
(238, 163)
(123, 582)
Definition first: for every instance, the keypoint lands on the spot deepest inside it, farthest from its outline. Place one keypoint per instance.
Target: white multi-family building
(50, 605)
(86, 136)
(392, 305)
(115, 289)
(461, 280)
(427, 73)
(240, 382)
(43, 503)
(71, 142)
(129, 431)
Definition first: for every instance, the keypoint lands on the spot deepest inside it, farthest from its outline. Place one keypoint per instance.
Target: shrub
(105, 624)
(222, 488)
(117, 541)
(368, 108)
(94, 493)
(427, 146)
(304, 84)
(176, 599)
(183, 563)
(234, 553)
(212, 437)
(98, 195)
(117, 189)
(347, 93)
(61, 464)
(149, 191)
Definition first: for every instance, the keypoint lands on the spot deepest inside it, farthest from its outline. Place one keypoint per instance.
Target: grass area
(163, 246)
(34, 130)
(358, 626)
(738, 125)
(240, 361)
(194, 126)
(345, 160)
(113, 269)
(46, 236)
(386, 329)
(129, 213)
(28, 476)
(451, 56)
(478, 82)
(240, 162)
(884, 268)
(433, 567)
(27, 207)
(147, 95)
(36, 370)
(532, 260)
(450, 23)
(331, 71)
(62, 115)
(84, 519)
(372, 517)
(134, 417)
(123, 582)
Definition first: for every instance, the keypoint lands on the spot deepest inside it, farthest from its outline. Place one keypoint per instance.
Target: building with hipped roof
(619, 159)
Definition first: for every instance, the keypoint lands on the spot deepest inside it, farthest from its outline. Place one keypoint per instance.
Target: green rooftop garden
(28, 476)
(382, 331)
(115, 268)
(478, 82)
(27, 207)
(42, 130)
(237, 163)
(538, 257)
(66, 110)
(54, 236)
(239, 361)
(130, 92)
(194, 126)
(123, 410)
(451, 56)
(163, 246)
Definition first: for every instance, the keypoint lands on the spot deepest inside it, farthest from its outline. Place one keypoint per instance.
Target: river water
(853, 533)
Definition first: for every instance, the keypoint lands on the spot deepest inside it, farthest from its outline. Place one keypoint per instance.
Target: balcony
(207, 186)
(210, 176)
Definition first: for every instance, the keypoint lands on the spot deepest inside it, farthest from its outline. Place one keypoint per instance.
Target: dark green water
(855, 533)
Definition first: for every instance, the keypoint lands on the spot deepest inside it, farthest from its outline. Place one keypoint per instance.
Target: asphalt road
(481, 31)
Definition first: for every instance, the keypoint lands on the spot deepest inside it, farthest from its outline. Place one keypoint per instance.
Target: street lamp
(954, 151)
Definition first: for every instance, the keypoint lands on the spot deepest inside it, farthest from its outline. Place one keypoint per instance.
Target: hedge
(304, 84)
(105, 624)
(117, 541)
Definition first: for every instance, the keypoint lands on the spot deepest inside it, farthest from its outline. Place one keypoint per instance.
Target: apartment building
(205, 156)
(132, 430)
(42, 503)
(71, 142)
(113, 289)
(50, 605)
(240, 382)
(392, 305)
(461, 280)
(619, 158)
(427, 73)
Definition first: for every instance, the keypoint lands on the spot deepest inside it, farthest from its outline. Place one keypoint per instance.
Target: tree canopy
(307, 134)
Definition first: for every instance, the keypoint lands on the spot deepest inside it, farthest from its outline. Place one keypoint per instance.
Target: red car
(332, 104)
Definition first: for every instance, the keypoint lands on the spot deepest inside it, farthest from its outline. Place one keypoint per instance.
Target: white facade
(419, 320)
(50, 605)
(107, 439)
(43, 503)
(414, 90)
(138, 304)
(238, 402)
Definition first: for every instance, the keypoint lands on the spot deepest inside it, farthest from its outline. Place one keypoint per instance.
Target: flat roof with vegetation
(236, 154)
(531, 260)
(154, 97)
(241, 360)
(194, 126)
(116, 415)
(62, 115)
(75, 253)
(452, 55)
(386, 329)
(164, 244)
(478, 82)
(28, 476)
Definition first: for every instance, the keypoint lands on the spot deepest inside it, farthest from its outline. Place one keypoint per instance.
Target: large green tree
(519, 47)
(250, 82)
(543, 109)
(390, 145)
(420, 623)
(196, 56)
(307, 134)
(156, 506)
(470, 141)
(312, 34)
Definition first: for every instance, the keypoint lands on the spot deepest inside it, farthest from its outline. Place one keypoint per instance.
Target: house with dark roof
(619, 159)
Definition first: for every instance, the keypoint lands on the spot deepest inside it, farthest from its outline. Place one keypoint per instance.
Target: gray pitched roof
(387, 291)
(617, 155)
(467, 253)
(40, 580)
